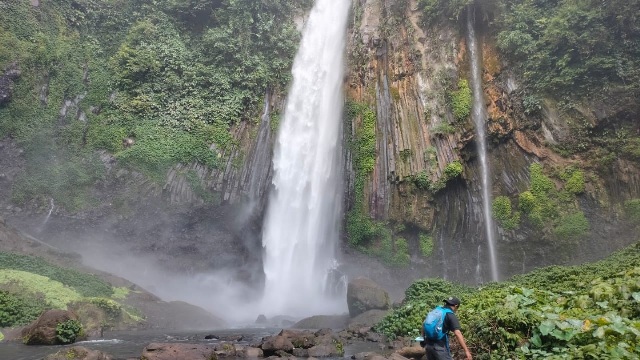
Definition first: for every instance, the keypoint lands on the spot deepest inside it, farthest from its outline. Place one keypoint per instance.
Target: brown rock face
(160, 351)
(79, 353)
(364, 294)
(43, 330)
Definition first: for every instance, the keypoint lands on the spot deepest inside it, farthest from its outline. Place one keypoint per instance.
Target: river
(130, 344)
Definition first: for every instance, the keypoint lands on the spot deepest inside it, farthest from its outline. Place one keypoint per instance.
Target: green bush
(574, 181)
(422, 296)
(426, 245)
(17, 310)
(422, 180)
(461, 101)
(67, 332)
(572, 226)
(85, 284)
(453, 170)
(502, 212)
(578, 312)
(526, 202)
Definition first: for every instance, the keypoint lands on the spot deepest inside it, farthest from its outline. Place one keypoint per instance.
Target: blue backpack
(434, 323)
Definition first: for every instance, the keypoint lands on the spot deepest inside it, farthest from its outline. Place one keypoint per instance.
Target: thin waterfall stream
(300, 233)
(479, 116)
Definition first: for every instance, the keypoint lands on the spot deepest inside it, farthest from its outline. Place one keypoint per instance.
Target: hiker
(435, 331)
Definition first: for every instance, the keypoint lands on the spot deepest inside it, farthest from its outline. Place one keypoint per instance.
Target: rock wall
(404, 70)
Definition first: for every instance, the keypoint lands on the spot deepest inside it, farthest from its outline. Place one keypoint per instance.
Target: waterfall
(46, 219)
(300, 232)
(479, 115)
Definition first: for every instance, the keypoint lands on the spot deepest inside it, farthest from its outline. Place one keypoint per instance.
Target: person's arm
(463, 343)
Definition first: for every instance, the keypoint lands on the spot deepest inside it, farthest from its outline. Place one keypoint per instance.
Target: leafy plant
(16, 309)
(67, 332)
(502, 212)
(426, 245)
(85, 284)
(461, 100)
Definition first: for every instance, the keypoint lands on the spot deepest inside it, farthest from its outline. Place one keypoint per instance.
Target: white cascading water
(301, 224)
(479, 115)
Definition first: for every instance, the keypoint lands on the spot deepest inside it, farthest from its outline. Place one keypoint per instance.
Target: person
(439, 349)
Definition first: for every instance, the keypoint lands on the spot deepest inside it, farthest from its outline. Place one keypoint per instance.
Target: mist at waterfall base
(300, 232)
(301, 224)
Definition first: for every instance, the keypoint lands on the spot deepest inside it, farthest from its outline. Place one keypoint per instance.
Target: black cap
(452, 300)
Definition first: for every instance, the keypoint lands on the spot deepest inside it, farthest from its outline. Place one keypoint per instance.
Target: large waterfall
(479, 115)
(301, 224)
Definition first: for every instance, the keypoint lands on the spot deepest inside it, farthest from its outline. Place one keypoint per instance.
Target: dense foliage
(155, 83)
(67, 332)
(589, 311)
(85, 284)
(30, 285)
(548, 205)
(573, 47)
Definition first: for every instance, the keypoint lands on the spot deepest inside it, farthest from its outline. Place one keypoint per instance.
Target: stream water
(130, 344)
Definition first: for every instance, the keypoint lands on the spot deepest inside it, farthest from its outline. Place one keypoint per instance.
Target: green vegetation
(502, 212)
(420, 297)
(553, 211)
(371, 237)
(360, 228)
(19, 309)
(84, 284)
(461, 100)
(435, 12)
(426, 245)
(572, 48)
(30, 285)
(68, 331)
(168, 76)
(578, 312)
(55, 294)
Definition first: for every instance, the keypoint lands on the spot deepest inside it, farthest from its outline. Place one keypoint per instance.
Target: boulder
(79, 353)
(411, 352)
(367, 318)
(172, 351)
(322, 321)
(272, 344)
(43, 330)
(364, 294)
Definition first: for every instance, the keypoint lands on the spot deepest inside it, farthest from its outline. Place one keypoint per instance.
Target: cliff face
(425, 181)
(407, 72)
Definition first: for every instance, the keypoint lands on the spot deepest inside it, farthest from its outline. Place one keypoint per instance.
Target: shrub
(526, 202)
(461, 100)
(420, 298)
(16, 310)
(453, 170)
(502, 212)
(422, 180)
(67, 332)
(572, 226)
(574, 181)
(85, 284)
(426, 245)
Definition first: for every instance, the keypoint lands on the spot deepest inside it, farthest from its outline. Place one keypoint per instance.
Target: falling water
(301, 224)
(46, 219)
(479, 116)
